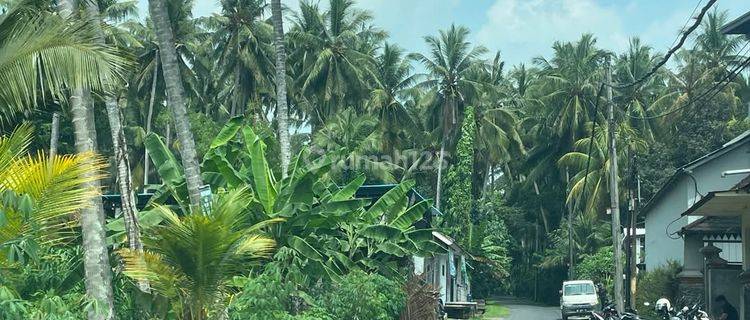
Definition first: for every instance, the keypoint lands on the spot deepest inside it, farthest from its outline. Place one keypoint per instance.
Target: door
(442, 278)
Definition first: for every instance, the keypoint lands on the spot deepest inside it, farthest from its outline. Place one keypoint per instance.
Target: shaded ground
(524, 310)
(496, 310)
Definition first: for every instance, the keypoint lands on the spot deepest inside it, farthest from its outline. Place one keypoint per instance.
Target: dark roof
(729, 146)
(740, 25)
(373, 191)
(713, 226)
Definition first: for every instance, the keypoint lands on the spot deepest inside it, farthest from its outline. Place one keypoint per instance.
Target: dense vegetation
(284, 115)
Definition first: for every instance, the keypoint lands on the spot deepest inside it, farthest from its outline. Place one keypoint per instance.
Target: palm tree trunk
(236, 97)
(98, 277)
(124, 177)
(150, 117)
(120, 147)
(281, 100)
(440, 174)
(54, 134)
(176, 99)
(97, 273)
(541, 210)
(168, 134)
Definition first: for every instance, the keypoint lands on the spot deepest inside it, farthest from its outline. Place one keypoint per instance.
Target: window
(442, 269)
(578, 289)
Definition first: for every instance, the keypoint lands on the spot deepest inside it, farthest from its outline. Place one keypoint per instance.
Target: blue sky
(523, 29)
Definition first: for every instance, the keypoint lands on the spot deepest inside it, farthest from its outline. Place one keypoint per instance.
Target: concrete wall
(723, 281)
(660, 248)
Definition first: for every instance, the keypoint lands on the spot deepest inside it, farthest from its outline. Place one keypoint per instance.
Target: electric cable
(671, 51)
(713, 91)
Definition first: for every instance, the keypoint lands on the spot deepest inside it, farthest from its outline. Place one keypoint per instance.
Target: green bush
(264, 297)
(658, 283)
(598, 268)
(357, 295)
(362, 296)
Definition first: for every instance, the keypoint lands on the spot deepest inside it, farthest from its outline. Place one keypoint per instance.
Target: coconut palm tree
(243, 51)
(638, 100)
(119, 142)
(589, 165)
(176, 98)
(356, 142)
(190, 258)
(334, 70)
(41, 53)
(497, 138)
(717, 50)
(570, 81)
(394, 76)
(42, 192)
(448, 63)
(282, 112)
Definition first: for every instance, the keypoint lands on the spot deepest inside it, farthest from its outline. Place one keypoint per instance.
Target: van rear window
(578, 289)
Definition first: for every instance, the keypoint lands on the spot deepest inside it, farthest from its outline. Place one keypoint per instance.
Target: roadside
(496, 310)
(511, 308)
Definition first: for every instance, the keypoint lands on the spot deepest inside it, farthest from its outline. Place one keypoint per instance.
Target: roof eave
(740, 25)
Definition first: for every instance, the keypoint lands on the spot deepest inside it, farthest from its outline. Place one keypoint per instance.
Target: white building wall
(660, 222)
(664, 217)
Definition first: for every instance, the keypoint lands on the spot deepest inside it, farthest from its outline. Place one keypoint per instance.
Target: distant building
(664, 220)
(449, 271)
(741, 209)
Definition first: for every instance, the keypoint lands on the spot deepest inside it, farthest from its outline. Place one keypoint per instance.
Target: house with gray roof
(665, 239)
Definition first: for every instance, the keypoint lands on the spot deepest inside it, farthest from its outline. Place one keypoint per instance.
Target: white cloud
(523, 29)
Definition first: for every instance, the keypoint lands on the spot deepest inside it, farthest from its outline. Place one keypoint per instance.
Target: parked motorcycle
(609, 312)
(693, 313)
(665, 311)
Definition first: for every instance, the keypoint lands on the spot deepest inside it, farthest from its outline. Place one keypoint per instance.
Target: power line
(671, 51)
(713, 91)
(684, 25)
(591, 145)
(585, 179)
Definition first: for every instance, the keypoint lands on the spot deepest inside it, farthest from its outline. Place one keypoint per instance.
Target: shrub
(264, 297)
(362, 296)
(357, 295)
(658, 283)
(598, 268)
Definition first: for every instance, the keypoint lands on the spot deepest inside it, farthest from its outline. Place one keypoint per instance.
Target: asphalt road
(522, 310)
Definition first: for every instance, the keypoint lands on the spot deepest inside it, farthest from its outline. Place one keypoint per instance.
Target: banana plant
(326, 228)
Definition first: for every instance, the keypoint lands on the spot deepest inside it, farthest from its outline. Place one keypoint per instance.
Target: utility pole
(613, 194)
(571, 244)
(628, 237)
(632, 284)
(631, 248)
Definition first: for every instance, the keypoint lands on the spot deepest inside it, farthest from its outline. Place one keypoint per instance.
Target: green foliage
(460, 201)
(264, 297)
(43, 53)
(656, 284)
(492, 248)
(363, 296)
(327, 230)
(357, 295)
(597, 267)
(189, 258)
(204, 131)
(519, 158)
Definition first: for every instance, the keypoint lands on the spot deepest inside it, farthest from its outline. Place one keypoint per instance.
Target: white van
(578, 298)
